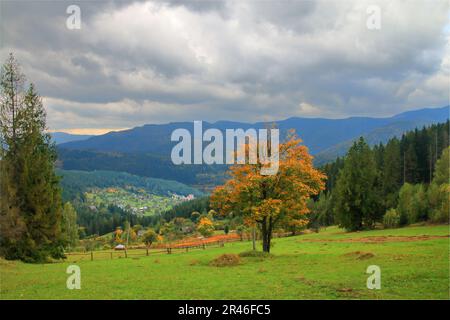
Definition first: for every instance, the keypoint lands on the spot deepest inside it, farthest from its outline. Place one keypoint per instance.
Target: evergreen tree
(391, 173)
(357, 200)
(413, 159)
(31, 199)
(12, 224)
(411, 172)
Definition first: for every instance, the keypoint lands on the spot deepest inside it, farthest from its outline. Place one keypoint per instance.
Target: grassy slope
(298, 270)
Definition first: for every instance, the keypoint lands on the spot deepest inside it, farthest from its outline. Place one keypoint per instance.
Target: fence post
(204, 247)
(126, 256)
(92, 256)
(110, 255)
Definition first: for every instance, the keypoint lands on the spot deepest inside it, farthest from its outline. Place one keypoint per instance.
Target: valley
(224, 150)
(136, 201)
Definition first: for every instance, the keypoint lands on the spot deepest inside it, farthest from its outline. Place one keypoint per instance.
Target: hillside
(142, 164)
(74, 181)
(375, 136)
(124, 151)
(318, 134)
(63, 137)
(330, 264)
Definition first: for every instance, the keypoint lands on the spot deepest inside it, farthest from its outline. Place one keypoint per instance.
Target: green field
(414, 264)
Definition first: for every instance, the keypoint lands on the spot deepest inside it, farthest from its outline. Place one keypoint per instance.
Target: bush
(226, 260)
(391, 219)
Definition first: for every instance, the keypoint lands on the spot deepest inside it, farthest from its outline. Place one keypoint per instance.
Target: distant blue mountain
(322, 136)
(63, 137)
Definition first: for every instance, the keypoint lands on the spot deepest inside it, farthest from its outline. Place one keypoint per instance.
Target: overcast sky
(133, 63)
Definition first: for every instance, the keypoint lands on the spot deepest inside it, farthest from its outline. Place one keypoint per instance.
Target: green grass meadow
(328, 265)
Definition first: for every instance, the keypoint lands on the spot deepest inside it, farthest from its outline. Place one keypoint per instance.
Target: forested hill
(141, 164)
(318, 134)
(74, 182)
(145, 151)
(63, 137)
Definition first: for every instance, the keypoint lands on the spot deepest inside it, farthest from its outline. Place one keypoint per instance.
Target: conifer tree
(32, 197)
(357, 197)
(391, 173)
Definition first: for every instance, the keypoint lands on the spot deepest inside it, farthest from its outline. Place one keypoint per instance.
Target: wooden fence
(137, 252)
(161, 249)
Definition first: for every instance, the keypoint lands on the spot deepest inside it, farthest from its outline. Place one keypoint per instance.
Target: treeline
(393, 181)
(185, 209)
(411, 159)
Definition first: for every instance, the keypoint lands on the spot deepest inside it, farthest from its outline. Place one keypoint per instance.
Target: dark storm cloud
(144, 62)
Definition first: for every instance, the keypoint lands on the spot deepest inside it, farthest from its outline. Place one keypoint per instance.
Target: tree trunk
(266, 235)
(254, 238)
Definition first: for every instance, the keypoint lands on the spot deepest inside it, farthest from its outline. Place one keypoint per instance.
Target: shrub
(391, 219)
(226, 260)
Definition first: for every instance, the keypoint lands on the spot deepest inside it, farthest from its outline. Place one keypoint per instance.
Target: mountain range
(63, 137)
(146, 150)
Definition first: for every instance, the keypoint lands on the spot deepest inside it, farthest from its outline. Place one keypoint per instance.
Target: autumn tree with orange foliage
(205, 227)
(269, 200)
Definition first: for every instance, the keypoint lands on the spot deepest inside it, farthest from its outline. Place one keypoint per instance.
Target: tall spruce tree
(356, 192)
(410, 165)
(391, 173)
(31, 209)
(12, 224)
